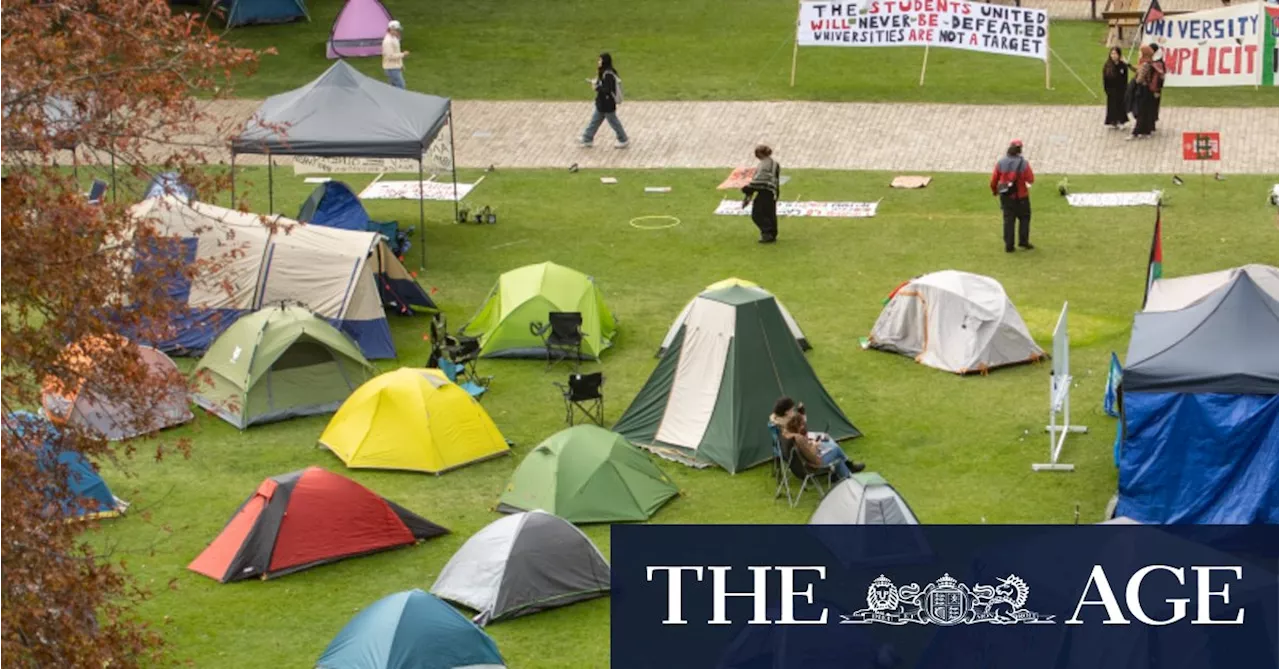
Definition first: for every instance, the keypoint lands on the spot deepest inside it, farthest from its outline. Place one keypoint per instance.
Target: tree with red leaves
(120, 82)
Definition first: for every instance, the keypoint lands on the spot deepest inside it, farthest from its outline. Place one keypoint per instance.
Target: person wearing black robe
(1145, 94)
(764, 187)
(1115, 81)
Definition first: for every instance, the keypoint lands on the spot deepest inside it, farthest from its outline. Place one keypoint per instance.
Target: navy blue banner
(984, 596)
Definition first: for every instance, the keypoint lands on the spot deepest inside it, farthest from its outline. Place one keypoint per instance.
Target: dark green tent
(708, 401)
(587, 474)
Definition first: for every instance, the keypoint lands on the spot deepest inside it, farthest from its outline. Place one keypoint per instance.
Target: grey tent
(522, 564)
(1225, 343)
(344, 113)
(864, 499)
(1175, 293)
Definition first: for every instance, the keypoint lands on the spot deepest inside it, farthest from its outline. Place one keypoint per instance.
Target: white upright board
(1059, 399)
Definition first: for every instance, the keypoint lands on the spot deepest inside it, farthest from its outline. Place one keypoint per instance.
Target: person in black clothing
(606, 85)
(1011, 181)
(1115, 81)
(764, 187)
(1157, 61)
(1146, 94)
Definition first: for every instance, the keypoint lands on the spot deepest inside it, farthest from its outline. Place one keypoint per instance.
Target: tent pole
(453, 165)
(422, 218)
(233, 179)
(271, 184)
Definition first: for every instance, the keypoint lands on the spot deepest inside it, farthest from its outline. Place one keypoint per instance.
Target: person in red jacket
(1009, 181)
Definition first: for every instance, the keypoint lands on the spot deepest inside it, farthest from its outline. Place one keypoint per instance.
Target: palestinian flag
(1154, 13)
(1155, 261)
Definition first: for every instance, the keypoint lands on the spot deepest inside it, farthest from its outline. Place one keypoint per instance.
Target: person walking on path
(1010, 181)
(1157, 61)
(764, 186)
(1115, 80)
(1146, 94)
(608, 88)
(392, 56)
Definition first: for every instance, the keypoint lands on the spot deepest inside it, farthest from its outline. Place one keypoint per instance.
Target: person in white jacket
(392, 56)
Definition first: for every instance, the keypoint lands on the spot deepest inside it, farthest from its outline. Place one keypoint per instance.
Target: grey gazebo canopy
(344, 113)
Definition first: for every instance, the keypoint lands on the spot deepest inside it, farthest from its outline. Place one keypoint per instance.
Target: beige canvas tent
(726, 283)
(1180, 292)
(249, 265)
(954, 321)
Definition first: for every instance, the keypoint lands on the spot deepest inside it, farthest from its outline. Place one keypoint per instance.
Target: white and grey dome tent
(734, 281)
(954, 321)
(864, 499)
(522, 564)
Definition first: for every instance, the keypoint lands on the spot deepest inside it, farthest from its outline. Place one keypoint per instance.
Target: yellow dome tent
(412, 419)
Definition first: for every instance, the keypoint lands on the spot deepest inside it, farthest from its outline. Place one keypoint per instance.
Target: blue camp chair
(452, 370)
(97, 191)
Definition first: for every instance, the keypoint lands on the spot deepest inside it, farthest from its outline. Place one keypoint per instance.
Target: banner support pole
(924, 64)
(1047, 64)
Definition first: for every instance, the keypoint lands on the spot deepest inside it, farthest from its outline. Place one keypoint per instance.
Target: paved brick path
(851, 136)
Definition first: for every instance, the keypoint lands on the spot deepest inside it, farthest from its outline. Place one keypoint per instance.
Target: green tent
(587, 474)
(709, 400)
(278, 363)
(527, 295)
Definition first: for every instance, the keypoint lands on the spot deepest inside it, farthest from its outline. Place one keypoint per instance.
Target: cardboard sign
(816, 209)
(953, 24)
(1201, 146)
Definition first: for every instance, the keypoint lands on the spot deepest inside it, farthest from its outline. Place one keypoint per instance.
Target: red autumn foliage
(120, 80)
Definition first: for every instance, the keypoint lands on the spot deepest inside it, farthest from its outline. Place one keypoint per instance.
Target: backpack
(617, 88)
(1010, 188)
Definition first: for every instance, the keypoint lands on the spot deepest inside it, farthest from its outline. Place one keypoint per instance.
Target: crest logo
(947, 602)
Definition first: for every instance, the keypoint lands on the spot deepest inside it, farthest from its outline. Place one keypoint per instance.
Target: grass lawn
(959, 449)
(684, 50)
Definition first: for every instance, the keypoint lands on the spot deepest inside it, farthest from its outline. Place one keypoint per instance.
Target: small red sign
(1201, 146)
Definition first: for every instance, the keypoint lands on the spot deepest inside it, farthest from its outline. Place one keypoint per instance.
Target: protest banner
(1216, 47)
(1138, 199)
(954, 24)
(814, 209)
(1270, 45)
(437, 159)
(414, 190)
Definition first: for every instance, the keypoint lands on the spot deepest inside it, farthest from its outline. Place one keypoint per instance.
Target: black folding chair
(461, 350)
(797, 465)
(582, 395)
(562, 335)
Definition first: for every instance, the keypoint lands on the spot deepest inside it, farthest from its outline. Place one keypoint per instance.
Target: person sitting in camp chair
(786, 407)
(818, 454)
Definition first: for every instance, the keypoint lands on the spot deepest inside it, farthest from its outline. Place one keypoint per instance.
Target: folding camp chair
(781, 476)
(562, 335)
(97, 191)
(797, 465)
(456, 356)
(582, 395)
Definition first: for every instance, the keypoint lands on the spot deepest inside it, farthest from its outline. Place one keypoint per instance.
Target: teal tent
(411, 630)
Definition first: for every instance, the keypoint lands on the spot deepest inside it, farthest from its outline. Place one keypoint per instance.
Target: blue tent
(410, 630)
(1199, 414)
(86, 495)
(333, 204)
(247, 12)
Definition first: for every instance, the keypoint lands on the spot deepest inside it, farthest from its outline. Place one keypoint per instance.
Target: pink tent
(358, 30)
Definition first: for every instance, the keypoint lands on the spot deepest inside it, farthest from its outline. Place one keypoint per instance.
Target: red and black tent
(307, 518)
